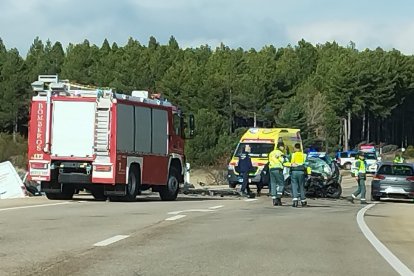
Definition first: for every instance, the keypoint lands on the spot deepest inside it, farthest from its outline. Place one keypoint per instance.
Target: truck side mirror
(191, 123)
(188, 125)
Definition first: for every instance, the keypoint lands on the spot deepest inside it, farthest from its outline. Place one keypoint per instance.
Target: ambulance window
(177, 124)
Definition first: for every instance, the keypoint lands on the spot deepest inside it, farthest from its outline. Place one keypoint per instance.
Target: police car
(372, 162)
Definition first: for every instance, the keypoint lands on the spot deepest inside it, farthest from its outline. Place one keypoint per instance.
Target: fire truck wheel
(52, 196)
(170, 191)
(98, 193)
(66, 194)
(133, 185)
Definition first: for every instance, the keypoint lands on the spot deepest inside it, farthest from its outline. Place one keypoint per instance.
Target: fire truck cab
(112, 144)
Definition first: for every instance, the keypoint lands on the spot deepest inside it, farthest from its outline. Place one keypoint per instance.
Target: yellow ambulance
(261, 142)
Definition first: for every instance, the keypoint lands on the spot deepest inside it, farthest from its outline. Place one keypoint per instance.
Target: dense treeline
(315, 88)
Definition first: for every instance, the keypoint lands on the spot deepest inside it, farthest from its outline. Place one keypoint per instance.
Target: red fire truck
(111, 144)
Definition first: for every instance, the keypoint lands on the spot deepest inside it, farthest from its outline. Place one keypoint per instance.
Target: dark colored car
(393, 181)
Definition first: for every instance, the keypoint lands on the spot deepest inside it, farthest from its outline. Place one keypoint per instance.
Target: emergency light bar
(48, 78)
(264, 141)
(38, 86)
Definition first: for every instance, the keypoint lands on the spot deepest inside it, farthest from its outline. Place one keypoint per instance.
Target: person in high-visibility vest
(360, 173)
(277, 181)
(297, 176)
(398, 159)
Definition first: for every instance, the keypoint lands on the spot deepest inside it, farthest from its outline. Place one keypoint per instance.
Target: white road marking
(216, 207)
(251, 199)
(34, 206)
(176, 217)
(401, 268)
(191, 210)
(111, 240)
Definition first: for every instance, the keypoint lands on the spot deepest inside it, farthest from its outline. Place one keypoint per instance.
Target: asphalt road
(205, 236)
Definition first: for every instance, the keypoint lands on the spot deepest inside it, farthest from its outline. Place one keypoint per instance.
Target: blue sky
(236, 23)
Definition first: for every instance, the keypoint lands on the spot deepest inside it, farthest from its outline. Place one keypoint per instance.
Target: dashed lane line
(250, 199)
(189, 211)
(176, 217)
(216, 207)
(111, 240)
(34, 206)
(398, 266)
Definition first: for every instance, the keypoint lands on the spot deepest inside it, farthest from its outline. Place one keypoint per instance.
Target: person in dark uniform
(244, 167)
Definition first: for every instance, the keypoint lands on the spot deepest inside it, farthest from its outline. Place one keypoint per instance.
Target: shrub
(15, 152)
(389, 148)
(409, 152)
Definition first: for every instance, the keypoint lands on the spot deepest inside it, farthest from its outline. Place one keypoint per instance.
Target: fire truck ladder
(102, 128)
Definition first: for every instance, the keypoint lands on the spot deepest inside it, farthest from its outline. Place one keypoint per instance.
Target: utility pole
(349, 125)
(341, 131)
(15, 121)
(345, 134)
(349, 128)
(231, 115)
(254, 120)
(15, 128)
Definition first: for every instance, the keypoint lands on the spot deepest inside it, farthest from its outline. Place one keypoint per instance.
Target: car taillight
(378, 177)
(410, 178)
(38, 165)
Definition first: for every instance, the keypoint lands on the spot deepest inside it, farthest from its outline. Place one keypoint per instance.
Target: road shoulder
(393, 224)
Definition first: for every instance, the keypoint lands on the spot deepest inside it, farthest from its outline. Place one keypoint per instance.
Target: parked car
(345, 159)
(393, 181)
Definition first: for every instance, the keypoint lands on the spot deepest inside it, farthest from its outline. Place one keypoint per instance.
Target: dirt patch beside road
(208, 176)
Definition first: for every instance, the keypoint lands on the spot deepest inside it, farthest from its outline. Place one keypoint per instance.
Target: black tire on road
(67, 193)
(98, 193)
(133, 185)
(334, 192)
(132, 188)
(375, 198)
(52, 196)
(232, 185)
(170, 191)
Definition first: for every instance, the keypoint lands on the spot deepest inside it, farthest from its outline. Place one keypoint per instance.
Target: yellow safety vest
(298, 158)
(399, 160)
(361, 168)
(276, 159)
